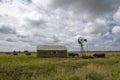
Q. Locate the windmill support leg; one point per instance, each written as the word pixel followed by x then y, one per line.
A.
pixel 82 51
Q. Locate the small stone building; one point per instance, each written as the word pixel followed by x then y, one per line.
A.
pixel 51 51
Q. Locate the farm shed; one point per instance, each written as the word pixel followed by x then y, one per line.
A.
pixel 51 51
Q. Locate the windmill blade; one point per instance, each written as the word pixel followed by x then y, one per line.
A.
pixel 80 40
pixel 85 40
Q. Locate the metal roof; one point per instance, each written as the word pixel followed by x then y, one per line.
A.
pixel 51 47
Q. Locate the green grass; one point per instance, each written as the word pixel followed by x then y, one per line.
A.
pixel 24 67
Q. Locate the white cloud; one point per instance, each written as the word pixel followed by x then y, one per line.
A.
pixel 96 27
pixel 116 33
pixel 39 22
pixel 116 30
pixel 116 16
pixel 42 3
pixel 116 36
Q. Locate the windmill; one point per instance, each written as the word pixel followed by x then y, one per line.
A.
pixel 81 42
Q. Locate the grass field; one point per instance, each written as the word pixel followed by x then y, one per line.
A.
pixel 24 67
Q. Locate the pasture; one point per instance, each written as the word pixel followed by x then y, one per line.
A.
pixel 29 67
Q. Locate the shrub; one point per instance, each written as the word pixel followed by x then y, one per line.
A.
pixel 75 78
pixel 94 76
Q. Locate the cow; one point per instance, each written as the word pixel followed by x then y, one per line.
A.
pixel 7 53
pixel 87 57
pixel 28 54
pixel 73 55
pixel 15 53
pixel 102 55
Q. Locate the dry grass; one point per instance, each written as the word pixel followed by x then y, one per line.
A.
pixel 24 67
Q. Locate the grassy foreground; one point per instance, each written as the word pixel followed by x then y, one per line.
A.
pixel 24 67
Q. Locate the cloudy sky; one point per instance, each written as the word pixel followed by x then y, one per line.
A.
pixel 25 24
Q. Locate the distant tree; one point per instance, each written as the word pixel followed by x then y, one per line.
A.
pixel 14 51
pixel 26 51
pixel 19 51
pixel 7 53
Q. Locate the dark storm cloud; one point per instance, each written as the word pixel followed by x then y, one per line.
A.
pixel 11 40
pixel 11 1
pixel 116 43
pixel 7 30
pixel 6 1
pixel 28 1
pixel 56 39
pixel 26 41
pixel 21 36
pixel 93 7
pixel 36 23
pixel 39 35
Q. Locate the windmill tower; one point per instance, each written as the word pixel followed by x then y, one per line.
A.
pixel 81 43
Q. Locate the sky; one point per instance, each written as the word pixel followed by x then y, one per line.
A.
pixel 25 24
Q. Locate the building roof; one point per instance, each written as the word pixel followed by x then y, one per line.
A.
pixel 51 47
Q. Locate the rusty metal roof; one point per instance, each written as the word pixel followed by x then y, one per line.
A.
pixel 51 47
